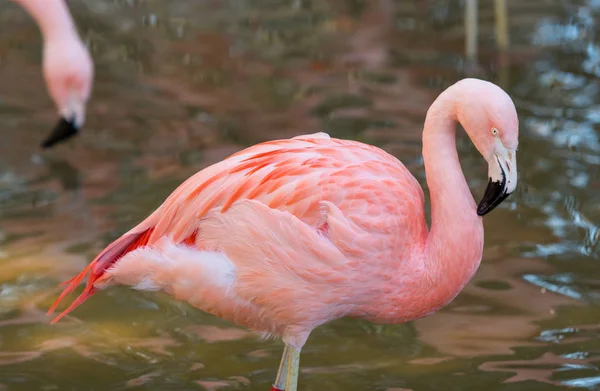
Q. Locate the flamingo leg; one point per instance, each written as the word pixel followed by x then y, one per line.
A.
pixel 501 17
pixel 471 29
pixel 291 383
pixel 282 373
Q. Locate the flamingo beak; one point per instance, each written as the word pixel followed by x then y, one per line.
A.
pixel 72 117
pixel 64 129
pixel 503 180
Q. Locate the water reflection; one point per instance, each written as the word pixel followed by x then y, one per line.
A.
pixel 183 84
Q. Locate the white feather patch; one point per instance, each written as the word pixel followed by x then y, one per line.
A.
pixel 209 267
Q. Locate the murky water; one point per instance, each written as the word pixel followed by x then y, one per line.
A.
pixel 182 84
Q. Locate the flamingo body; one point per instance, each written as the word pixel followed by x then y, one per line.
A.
pixel 281 230
pixel 287 235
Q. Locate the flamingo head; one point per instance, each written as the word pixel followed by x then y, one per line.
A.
pixel 490 119
pixel 68 72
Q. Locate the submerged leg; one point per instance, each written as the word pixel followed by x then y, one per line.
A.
pixel 291 383
pixel 282 373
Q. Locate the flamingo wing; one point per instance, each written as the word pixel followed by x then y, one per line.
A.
pixel 295 175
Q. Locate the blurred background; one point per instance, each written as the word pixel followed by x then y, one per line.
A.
pixel 181 84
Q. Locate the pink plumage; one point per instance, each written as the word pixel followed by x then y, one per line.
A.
pixel 68 67
pixel 290 234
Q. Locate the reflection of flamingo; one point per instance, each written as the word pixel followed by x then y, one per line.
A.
pixel 287 235
pixel 68 68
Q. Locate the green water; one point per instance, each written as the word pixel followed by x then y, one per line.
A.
pixel 182 84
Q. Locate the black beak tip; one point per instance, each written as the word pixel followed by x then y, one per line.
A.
pixel 63 130
pixel 493 196
pixel 482 209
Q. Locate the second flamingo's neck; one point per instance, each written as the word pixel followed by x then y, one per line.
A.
pixel 455 242
pixel 53 19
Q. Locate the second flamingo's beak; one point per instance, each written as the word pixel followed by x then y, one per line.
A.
pixel 72 117
pixel 64 129
pixel 502 180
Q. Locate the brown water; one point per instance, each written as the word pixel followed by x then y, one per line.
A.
pixel 182 84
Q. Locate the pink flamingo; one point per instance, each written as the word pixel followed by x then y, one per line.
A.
pixel 68 68
pixel 287 235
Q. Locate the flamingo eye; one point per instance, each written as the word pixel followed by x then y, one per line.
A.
pixel 494 131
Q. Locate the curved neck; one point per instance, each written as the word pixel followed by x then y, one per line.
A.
pixel 52 17
pixel 455 241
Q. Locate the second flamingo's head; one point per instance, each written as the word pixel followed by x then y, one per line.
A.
pixel 68 72
pixel 490 119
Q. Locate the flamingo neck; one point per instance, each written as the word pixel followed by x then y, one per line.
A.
pixel 53 18
pixel 455 242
